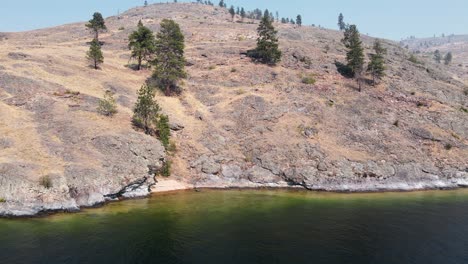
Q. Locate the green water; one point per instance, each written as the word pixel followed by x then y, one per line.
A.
pixel 250 227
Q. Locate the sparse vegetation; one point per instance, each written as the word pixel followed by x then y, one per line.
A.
pixel 166 169
pixel 233 70
pixel 169 63
pixel 309 79
pixel 2 200
pixel 414 59
pixel 448 146
pixel 107 105
pixel 46 182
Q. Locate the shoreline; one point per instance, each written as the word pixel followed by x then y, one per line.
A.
pixel 165 187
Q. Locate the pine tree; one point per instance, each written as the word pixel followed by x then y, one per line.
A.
pixel 146 110
pixel 164 130
pixel 299 20
pixel 341 23
pixel 221 3
pixel 97 24
pixel 437 56
pixel 142 44
pixel 377 63
pixel 107 106
pixel 355 54
pixel 170 62
pixel 448 58
pixel 242 14
pixel 232 11
pixel 267 50
pixel 146 3
pixel 95 53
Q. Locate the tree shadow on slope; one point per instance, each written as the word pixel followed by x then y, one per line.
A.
pixel 344 70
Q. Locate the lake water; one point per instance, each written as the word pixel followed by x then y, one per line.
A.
pixel 250 227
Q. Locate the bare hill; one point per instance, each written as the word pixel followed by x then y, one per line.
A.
pixel 244 124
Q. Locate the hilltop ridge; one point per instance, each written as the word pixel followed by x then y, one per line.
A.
pixel 236 124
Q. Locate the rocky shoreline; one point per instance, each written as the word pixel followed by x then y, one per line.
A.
pixel 144 189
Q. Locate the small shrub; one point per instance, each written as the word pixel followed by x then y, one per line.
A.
pixel 72 92
pixel 233 70
pixel 46 182
pixel 330 103
pixel 107 106
pixel 121 28
pixel 448 146
pixel 309 80
pixel 396 123
pixel 419 104
pixel 172 148
pixel 2 200
pixel 166 169
pixel 212 67
pixel 240 91
pixel 327 48
pixel 463 109
pixel 414 59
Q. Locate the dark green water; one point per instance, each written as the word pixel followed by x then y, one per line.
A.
pixel 250 227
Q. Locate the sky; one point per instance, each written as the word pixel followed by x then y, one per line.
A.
pixel 391 19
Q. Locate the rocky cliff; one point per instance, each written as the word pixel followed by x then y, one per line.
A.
pixel 237 123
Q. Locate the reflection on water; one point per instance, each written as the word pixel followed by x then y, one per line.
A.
pixel 272 226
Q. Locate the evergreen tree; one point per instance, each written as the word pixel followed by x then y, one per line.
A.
pixel 146 3
pixel 107 106
pixel 355 54
pixel 437 56
pixel 267 50
pixel 448 58
pixel 377 63
pixel 232 11
pixel 242 14
pixel 221 3
pixel 142 43
pixel 341 23
pixel 170 62
pixel 95 53
pixel 146 110
pixel 97 24
pixel 299 20
pixel 164 130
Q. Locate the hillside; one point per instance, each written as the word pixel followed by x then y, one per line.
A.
pixel 456 44
pixel 244 124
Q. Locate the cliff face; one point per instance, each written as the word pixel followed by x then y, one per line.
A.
pixel 244 124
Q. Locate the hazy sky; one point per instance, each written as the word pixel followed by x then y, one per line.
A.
pixel 393 19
